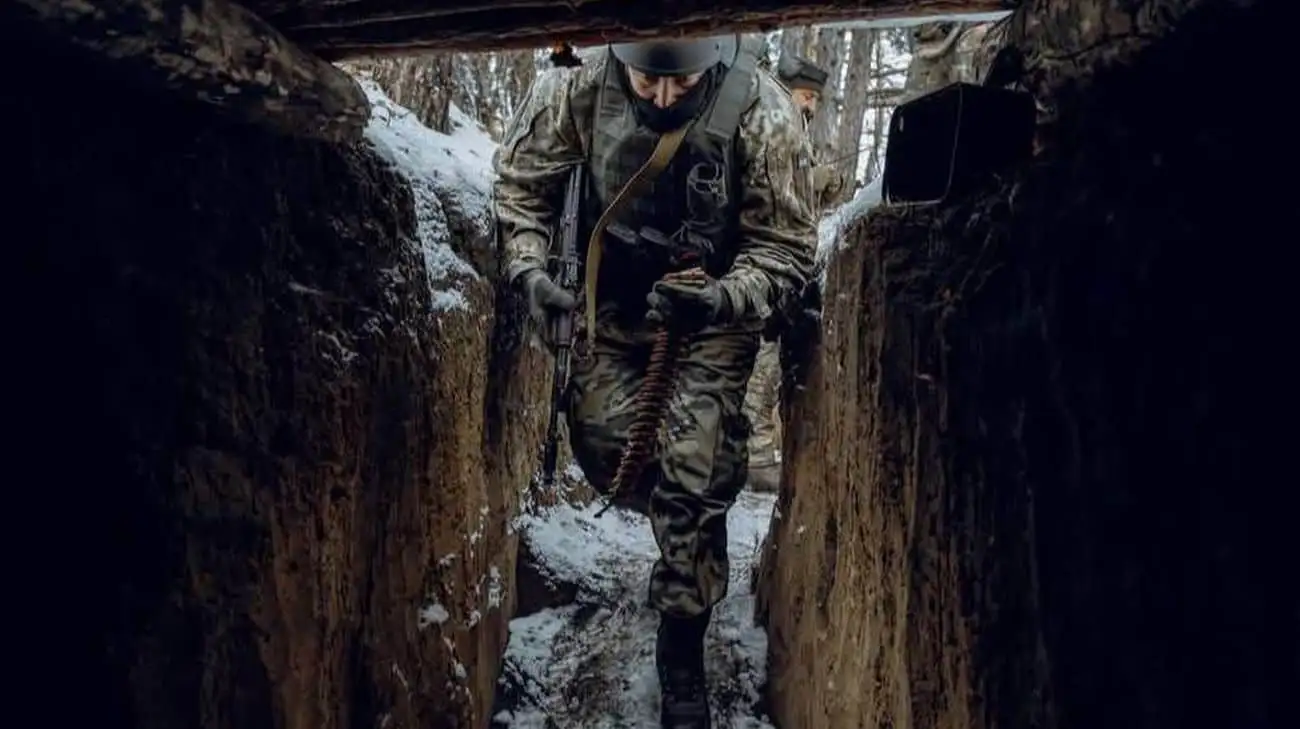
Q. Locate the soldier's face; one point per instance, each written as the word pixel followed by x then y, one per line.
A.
pixel 806 100
pixel 662 91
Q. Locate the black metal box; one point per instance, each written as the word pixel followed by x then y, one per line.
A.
pixel 945 142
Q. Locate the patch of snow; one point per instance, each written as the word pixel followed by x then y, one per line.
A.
pixel 473 537
pixel 432 614
pixel 576 547
pixel 495 589
pixel 591 664
pixel 446 172
pixel 831 229
pixel 574 472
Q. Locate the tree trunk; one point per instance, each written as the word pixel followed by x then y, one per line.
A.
pixel 422 84
pixel 522 67
pixel 468 75
pixel 829 54
pixel 795 40
pixel 862 47
pixel 875 155
pixel 485 86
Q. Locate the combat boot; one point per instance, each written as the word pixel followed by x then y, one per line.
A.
pixel 683 686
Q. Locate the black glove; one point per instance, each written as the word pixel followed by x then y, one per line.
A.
pixel 546 301
pixel 691 305
pixel 794 314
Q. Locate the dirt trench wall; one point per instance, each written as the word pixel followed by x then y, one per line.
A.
pixel 276 483
pixel 1035 474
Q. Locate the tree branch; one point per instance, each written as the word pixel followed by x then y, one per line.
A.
pixel 885 97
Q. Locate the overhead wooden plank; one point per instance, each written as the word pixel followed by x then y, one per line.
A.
pixel 216 52
pixel 340 29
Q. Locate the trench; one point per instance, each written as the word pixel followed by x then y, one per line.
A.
pixel 1036 456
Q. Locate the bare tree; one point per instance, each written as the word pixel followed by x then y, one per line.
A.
pixel 771 51
pixel 944 53
pixel 472 74
pixel 485 86
pixel 853 110
pixel 828 52
pixel 422 84
pixel 875 153
pixel 795 40
pixel 520 69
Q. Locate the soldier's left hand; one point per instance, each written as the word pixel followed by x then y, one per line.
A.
pixel 690 305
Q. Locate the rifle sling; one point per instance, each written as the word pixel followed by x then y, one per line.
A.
pixel 663 152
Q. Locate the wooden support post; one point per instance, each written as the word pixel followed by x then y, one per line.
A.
pixel 339 29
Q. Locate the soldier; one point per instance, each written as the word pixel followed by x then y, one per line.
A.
pixel 806 82
pixel 735 200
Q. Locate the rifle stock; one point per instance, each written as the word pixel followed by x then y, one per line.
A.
pixel 565 264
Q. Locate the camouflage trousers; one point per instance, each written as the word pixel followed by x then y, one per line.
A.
pixel 761 406
pixel 700 459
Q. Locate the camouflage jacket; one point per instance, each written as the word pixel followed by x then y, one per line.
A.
pixel 828 184
pixel 776 227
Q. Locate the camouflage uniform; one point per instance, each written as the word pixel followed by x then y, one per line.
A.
pixel 828 183
pixel 761 230
pixel 761 402
pixel 763 397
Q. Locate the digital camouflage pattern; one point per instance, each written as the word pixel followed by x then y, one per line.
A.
pixel 702 454
pixel 776 231
pixel 828 184
pixel 702 449
pixel 795 72
pixel 761 400
pixel 763 396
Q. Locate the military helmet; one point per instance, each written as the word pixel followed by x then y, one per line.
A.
pixel 673 56
pixel 799 73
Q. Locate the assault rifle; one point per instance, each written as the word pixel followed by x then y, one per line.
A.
pixel 565 273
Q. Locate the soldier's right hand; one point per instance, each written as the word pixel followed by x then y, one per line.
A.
pixel 546 299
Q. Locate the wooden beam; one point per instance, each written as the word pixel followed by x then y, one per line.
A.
pixel 339 29
pixel 216 52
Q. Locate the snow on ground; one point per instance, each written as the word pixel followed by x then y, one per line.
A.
pixel 831 229
pixel 590 665
pixel 451 179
